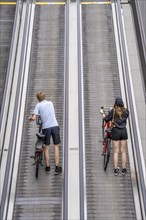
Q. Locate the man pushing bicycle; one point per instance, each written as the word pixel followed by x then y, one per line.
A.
pixel 50 127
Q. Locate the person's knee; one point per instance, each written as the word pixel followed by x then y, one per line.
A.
pixel 56 147
pixel 116 148
pixel 123 149
pixel 123 146
pixel 46 147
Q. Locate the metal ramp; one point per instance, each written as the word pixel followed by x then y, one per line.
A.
pixel 108 197
pixel 42 198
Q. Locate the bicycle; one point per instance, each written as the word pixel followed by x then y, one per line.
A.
pixel 39 147
pixel 106 134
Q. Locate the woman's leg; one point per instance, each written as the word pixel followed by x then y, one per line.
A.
pixel 116 153
pixel 123 152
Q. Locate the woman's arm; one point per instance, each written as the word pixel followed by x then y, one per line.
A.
pixel 109 116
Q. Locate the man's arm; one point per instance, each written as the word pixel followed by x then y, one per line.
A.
pixel 32 117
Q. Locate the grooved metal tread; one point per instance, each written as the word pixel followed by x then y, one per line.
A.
pixel 42 198
pixel 109 197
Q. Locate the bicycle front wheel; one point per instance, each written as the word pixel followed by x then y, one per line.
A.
pixel 107 155
pixel 103 129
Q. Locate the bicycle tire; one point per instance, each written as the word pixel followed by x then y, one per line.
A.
pixel 107 155
pixel 103 129
pixel 37 167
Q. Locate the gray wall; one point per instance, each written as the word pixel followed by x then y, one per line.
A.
pixel 141 12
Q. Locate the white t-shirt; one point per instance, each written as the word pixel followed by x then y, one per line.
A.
pixel 46 110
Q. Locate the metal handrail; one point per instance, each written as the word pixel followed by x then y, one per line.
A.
pixel 66 107
pixel 83 208
pixel 15 121
pixel 10 72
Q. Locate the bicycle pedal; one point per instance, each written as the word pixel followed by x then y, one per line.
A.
pixel 103 154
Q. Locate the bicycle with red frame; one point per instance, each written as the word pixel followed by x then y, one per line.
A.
pixel 39 147
pixel 106 134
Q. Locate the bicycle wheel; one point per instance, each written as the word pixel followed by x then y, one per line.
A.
pixel 103 129
pixel 37 166
pixel 106 154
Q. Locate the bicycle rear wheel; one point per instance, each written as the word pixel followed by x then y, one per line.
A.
pixel 106 155
pixel 37 167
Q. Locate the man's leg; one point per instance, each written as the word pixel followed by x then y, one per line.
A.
pixel 56 140
pixel 46 155
pixel 56 154
pixel 58 169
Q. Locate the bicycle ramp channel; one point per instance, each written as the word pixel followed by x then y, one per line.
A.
pixel 41 198
pixel 108 197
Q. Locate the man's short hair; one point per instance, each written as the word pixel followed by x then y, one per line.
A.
pixel 40 96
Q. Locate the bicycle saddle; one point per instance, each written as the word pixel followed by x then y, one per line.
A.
pixel 40 136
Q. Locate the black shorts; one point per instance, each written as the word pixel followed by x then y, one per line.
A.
pixel 54 132
pixel 119 134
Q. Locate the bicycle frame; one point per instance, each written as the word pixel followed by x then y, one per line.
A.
pixel 106 132
pixel 39 147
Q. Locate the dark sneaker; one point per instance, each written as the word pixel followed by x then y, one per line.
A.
pixel 116 171
pixel 124 171
pixel 47 169
pixel 57 170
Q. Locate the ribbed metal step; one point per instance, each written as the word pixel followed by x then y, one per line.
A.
pixel 42 198
pixel 7 13
pixel 108 197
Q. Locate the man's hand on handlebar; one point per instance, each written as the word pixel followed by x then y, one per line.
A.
pixel 32 118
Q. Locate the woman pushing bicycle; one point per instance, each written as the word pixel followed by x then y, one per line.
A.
pixel 118 116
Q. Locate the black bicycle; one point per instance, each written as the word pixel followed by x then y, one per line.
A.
pixel 106 134
pixel 39 147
